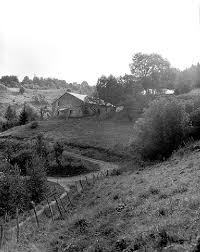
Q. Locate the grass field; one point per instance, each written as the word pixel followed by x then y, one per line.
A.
pixel 156 209
pixel 85 131
pixel 12 97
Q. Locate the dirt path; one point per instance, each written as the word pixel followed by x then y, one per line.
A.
pixel 66 182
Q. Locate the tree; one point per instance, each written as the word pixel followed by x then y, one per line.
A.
pixel 161 129
pixel 109 89
pixel 10 81
pixel 21 90
pixel 132 97
pixel 10 114
pixel 23 117
pixel 149 69
pixel 26 81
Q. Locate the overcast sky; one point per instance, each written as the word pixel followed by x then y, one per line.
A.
pixel 80 40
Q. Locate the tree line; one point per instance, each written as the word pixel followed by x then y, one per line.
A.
pixel 151 74
pixel 12 81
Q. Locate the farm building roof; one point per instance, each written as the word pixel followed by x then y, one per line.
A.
pixel 79 96
pixel 86 99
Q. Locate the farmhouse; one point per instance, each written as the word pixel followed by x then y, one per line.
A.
pixel 78 105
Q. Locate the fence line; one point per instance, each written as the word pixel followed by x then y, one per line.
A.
pixel 37 213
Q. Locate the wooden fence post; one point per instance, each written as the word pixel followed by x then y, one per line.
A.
pixel 63 205
pixel 1 236
pixel 60 212
pixel 50 208
pixel 76 185
pixel 87 180
pixel 36 217
pixel 6 217
pixel 69 199
pixel 17 218
pixel 81 184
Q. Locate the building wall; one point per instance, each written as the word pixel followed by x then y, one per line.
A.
pixel 75 107
pixel 68 101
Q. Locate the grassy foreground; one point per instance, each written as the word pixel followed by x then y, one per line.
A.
pixel 156 209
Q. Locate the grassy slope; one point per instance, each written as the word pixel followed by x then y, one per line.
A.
pixel 12 97
pixel 157 207
pixel 86 131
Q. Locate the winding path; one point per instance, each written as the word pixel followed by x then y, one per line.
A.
pixel 66 182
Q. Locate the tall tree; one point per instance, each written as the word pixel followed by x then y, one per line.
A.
pixel 23 117
pixel 10 114
pixel 149 69
pixel 132 98
pixel 109 89
pixel 10 81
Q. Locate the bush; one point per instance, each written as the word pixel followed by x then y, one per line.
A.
pixel 13 192
pixel 34 125
pixel 160 130
pixel 195 117
pixel 27 114
pixel 23 117
pixel 21 90
pixel 32 113
pixel 58 150
pixel 21 158
pixel 37 182
pixel 10 114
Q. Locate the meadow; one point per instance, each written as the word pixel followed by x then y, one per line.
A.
pixel 151 209
pixel 84 131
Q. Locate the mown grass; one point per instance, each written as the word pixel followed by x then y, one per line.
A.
pixel 156 209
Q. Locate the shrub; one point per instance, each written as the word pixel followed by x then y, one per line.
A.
pixel 21 90
pixel 32 113
pixel 39 100
pixel 13 191
pixel 23 117
pixel 27 114
pixel 21 158
pixel 195 117
pixel 58 150
pixel 37 182
pixel 42 149
pixel 10 114
pixel 160 130
pixel 34 125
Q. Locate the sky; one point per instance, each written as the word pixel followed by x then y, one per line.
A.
pixel 79 40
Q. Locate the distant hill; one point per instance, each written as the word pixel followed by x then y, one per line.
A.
pixel 46 83
pixel 34 97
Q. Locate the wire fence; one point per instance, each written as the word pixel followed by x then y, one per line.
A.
pixel 60 208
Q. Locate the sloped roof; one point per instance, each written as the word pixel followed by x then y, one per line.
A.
pixel 79 96
pixel 85 98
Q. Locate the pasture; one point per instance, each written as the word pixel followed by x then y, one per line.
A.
pixel 85 131
pixel 151 209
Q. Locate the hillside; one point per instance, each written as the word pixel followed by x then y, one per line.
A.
pixel 103 140
pixel 34 97
pixel 154 209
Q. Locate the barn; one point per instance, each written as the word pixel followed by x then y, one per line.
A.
pixel 78 105
pixel 69 104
